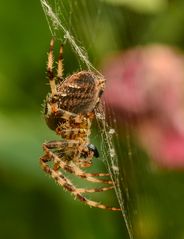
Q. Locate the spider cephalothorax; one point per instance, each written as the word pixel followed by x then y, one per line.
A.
pixel 69 111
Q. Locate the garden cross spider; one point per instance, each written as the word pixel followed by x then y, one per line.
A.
pixel 69 111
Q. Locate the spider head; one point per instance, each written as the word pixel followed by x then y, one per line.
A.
pixel 93 148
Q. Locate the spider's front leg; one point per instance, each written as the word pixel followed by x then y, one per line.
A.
pixel 50 72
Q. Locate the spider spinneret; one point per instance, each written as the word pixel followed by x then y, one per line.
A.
pixel 69 111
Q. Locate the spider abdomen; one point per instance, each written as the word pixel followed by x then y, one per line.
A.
pixel 79 93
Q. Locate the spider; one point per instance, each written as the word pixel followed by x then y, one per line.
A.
pixel 69 111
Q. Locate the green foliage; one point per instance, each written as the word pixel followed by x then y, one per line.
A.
pixel 142 5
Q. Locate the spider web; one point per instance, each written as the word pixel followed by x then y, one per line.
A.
pixel 63 17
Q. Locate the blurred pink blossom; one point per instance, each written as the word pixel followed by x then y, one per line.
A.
pixel 147 83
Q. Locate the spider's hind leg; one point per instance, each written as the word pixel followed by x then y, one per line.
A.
pixel 70 166
pixel 76 192
pixel 56 167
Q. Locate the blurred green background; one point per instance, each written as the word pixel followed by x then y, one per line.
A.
pixel 31 204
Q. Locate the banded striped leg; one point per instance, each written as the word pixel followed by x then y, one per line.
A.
pixel 56 168
pixel 71 167
pixel 60 64
pixel 67 115
pixel 76 192
pixel 50 73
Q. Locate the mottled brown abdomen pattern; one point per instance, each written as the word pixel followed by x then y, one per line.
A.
pixel 79 93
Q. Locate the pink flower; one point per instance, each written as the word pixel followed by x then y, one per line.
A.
pixel 147 83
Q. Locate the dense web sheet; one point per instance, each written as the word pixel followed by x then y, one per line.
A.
pixel 61 16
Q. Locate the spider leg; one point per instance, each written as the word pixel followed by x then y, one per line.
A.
pixel 45 159
pixel 72 143
pixel 60 144
pixel 54 144
pixel 74 131
pixel 60 64
pixel 64 114
pixel 81 172
pixel 74 169
pixel 95 190
pixel 50 73
pixel 66 184
pixel 85 190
